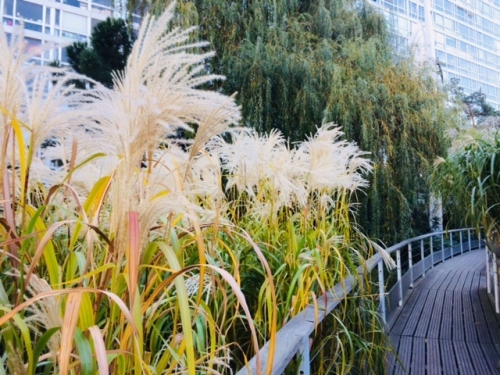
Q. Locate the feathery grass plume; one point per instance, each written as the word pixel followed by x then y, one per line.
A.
pixel 262 167
pixel 156 94
pixel 273 176
pixel 45 313
pixel 333 163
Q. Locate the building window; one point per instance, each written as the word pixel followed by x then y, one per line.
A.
pixel 8 7
pixel 451 42
pixel 29 11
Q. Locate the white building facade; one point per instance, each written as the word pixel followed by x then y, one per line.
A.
pixel 61 21
pixel 461 36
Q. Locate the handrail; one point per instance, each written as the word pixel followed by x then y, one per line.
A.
pixel 294 335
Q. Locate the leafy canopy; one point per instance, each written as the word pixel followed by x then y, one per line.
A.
pixel 296 64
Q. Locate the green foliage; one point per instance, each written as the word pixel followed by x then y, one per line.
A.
pixel 132 258
pixel 295 64
pixel 111 43
pixel 469 182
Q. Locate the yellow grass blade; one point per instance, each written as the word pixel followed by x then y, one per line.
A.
pixel 49 254
pixel 100 350
pixel 23 163
pixel 121 305
pixel 183 305
pixel 71 315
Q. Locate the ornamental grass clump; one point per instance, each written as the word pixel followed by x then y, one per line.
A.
pixel 142 255
pixel 469 182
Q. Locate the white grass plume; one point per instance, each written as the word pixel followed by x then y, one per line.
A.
pixel 155 94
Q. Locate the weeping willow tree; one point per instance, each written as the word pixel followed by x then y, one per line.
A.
pixel 296 64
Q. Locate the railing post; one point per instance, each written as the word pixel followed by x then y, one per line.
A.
pixel 461 244
pixel 488 265
pixel 470 242
pixel 432 253
pixel 422 257
pixel 495 283
pixel 381 289
pixel 410 263
pixel 398 263
pixel 442 246
pixel 305 361
pixel 451 241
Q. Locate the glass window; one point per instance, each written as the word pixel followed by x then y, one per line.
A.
pixel 58 17
pixel 107 3
pixel 33 27
pixel 448 6
pixel 463 46
pixel 8 21
pixel 64 56
pixel 451 42
pixel 448 23
pixel 441 56
pixel 451 61
pixel 47 16
pixel 472 50
pixel 438 19
pixel 8 7
pixel 421 13
pixel 29 11
pixel 33 46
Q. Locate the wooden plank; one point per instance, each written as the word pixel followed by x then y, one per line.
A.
pixel 443 275
pixel 461 282
pixel 492 357
pixel 468 282
pixel 413 319
pixel 448 357
pixel 478 359
pixel 464 363
pixel 433 357
pixel 426 315
pixel 468 316
pixel 458 321
pixel 400 323
pixel 417 366
pixel 479 319
pixel 446 282
pixel 427 280
pixel 391 356
pixel 437 312
pixel 445 329
pixel 404 353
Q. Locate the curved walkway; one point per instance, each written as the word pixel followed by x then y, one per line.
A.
pixel 448 325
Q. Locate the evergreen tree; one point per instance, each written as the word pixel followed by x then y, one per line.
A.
pixel 298 63
pixel 111 43
pixel 477 108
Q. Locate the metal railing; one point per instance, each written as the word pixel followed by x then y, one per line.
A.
pixel 413 258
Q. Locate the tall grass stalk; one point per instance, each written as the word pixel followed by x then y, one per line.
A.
pixel 145 256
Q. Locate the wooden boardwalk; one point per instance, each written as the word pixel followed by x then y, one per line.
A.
pixel 448 325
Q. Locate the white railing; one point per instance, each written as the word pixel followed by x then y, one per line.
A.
pixel 492 272
pixel 413 258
